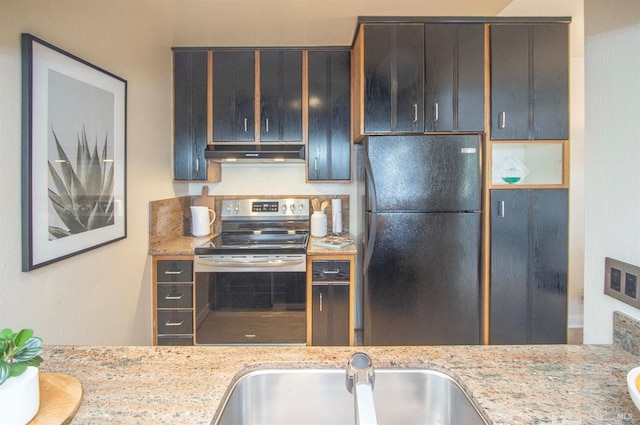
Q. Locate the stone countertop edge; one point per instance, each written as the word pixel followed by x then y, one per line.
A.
pixel 535 384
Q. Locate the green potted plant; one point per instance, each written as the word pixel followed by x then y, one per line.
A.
pixel 19 380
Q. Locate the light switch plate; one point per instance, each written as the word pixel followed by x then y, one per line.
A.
pixel 621 281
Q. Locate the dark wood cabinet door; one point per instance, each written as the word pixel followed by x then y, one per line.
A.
pixel 548 263
pixel 330 315
pixel 233 96
pixel 529 82
pixel 551 81
pixel 190 115
pixel 509 82
pixel 509 258
pixel 329 143
pixel 281 95
pixel 394 78
pixel 529 260
pixel 454 77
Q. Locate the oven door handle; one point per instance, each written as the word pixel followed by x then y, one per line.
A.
pixel 250 263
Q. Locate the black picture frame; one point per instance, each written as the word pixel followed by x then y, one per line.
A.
pixel 73 155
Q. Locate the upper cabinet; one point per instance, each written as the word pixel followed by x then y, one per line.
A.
pixel 270 78
pixel 190 115
pixel 280 96
pixel 233 96
pixel 329 103
pixel 415 78
pixel 454 78
pixel 529 81
pixel 393 86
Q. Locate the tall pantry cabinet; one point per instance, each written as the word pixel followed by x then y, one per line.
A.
pixel 528 183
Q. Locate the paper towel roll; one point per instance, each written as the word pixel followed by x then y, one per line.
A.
pixel 336 215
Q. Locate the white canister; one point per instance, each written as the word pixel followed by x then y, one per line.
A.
pixel 201 220
pixel 318 224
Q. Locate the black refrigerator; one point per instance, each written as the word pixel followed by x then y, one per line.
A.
pixel 422 239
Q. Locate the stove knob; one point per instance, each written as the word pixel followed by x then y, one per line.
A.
pixel 301 207
pixel 237 207
pixel 228 207
pixel 292 208
pixel 284 208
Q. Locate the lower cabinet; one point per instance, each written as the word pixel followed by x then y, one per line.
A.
pixel 173 300
pixel 330 312
pixel 529 262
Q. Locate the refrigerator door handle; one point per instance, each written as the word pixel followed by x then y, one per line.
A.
pixel 371 237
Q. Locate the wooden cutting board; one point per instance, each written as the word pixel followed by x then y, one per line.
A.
pixel 60 397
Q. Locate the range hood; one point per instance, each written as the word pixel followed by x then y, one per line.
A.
pixel 255 152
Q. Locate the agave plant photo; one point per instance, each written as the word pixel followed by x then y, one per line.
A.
pixel 83 197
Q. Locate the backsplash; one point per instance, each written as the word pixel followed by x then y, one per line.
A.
pixel 171 218
pixel 626 333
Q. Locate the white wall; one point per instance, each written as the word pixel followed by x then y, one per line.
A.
pixel 102 296
pixel 612 181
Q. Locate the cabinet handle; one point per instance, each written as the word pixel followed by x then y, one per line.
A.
pixel 266 125
pixel 315 164
pixel 415 112
pixel 502 122
pixel 173 272
pixel 197 164
pixel 246 125
pixel 320 301
pixel 501 209
pixel 174 296
pixel 436 111
pixel 336 271
pixel 170 323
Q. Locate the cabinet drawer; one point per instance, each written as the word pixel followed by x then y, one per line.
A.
pixel 174 271
pixel 175 296
pixel 330 270
pixel 175 322
pixel 175 340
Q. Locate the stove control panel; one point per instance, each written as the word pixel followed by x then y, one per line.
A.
pixel 290 208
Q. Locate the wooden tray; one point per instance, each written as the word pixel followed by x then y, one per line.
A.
pixel 60 397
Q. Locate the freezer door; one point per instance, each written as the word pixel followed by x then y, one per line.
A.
pixel 425 173
pixel 423 282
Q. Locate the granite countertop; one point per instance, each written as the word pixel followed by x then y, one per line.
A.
pixel 184 245
pixel 561 384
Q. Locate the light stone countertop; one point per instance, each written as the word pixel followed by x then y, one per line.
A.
pixel 537 384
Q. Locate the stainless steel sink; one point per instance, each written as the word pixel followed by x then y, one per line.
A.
pixel 319 396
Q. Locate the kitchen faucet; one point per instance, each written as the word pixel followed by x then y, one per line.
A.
pixel 360 379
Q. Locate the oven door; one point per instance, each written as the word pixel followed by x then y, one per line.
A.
pixel 252 299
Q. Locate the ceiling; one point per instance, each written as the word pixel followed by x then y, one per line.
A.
pixel 219 23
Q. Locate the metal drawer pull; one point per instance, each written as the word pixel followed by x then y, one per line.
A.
pixel 174 296
pixel 501 209
pixel 320 301
pixel 250 336
pixel 502 123
pixel 415 112
pixel 331 271
pixel 173 272
pixel 170 323
pixel 266 125
pixel 246 126
pixel 436 114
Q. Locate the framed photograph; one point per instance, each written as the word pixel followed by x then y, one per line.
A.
pixel 73 155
